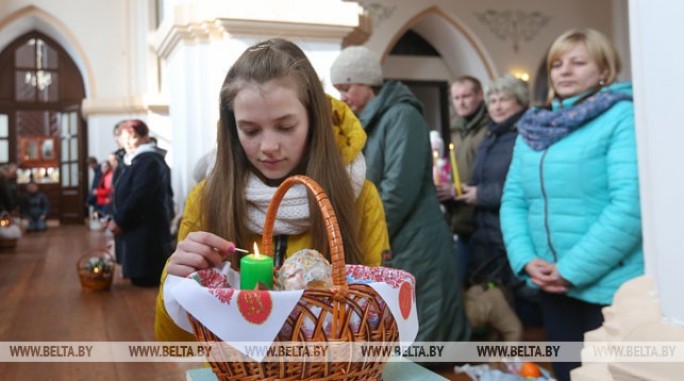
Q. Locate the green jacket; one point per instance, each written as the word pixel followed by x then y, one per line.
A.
pixel 466 135
pixel 399 163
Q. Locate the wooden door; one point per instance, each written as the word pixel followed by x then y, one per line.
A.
pixel 41 90
pixel 71 170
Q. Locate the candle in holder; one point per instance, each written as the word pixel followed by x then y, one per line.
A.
pixel 454 169
pixel 255 268
pixel 435 166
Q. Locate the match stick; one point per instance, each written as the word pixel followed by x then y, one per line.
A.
pixel 235 250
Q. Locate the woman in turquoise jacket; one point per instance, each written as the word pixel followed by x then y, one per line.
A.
pixel 570 211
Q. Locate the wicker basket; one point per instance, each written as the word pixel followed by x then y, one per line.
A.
pixel 96 270
pixel 338 304
pixel 5 223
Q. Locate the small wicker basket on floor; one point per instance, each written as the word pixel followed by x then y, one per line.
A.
pixel 6 223
pixel 96 270
pixel 337 304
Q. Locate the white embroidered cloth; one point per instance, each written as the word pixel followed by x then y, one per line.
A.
pixel 238 316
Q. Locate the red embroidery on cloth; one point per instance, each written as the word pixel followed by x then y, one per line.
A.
pixel 255 306
pixel 212 279
pixel 223 294
pixel 393 277
pixel 217 284
pixel 405 299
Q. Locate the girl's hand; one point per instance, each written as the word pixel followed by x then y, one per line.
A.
pixel 199 250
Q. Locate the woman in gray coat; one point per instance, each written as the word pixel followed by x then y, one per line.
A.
pixel 399 163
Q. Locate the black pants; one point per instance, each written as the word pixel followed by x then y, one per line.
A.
pixel 567 319
pixel 146 281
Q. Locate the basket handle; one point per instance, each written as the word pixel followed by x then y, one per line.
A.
pixel 334 235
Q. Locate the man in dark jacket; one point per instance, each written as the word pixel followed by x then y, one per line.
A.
pixel 399 163
pixel 467 131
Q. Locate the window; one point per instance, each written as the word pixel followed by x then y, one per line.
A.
pixel 36 72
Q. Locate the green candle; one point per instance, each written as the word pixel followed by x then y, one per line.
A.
pixel 256 268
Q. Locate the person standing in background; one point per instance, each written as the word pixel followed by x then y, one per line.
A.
pixel 140 214
pixel 103 190
pixel 492 288
pixel 6 201
pixel 399 163
pixel 97 173
pixel 118 170
pixel 570 212
pixel 467 131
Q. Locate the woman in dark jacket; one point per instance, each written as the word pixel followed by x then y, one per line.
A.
pixel 141 213
pixel 489 275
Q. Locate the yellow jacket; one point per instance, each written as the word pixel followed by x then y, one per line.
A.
pixel 350 139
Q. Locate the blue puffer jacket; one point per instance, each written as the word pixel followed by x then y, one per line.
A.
pixel 577 204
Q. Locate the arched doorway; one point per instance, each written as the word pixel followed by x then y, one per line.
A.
pixel 41 130
pixel 427 52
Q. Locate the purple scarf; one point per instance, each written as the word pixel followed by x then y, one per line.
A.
pixel 540 128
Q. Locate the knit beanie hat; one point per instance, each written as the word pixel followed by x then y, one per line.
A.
pixel 356 64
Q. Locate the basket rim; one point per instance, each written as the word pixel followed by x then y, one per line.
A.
pixel 332 227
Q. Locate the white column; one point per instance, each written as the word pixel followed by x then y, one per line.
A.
pixel 656 30
pixel 196 72
pixel 199 41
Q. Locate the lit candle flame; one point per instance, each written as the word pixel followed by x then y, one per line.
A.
pixel 256 250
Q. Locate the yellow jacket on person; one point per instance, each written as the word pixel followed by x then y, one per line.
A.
pixel 350 139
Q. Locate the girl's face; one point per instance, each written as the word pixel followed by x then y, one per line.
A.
pixel 502 106
pixel 272 126
pixel 575 72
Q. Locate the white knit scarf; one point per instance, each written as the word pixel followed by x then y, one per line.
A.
pixel 293 213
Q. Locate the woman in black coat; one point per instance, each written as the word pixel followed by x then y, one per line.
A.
pixel 489 274
pixel 142 207
pixel 507 99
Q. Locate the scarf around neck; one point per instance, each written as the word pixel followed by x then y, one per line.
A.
pixel 540 128
pixel 509 124
pixel 293 213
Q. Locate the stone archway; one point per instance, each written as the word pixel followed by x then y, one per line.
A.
pixel 459 48
pixel 429 76
pixel 32 18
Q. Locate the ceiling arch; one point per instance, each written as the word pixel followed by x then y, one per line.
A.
pixel 31 18
pixel 460 50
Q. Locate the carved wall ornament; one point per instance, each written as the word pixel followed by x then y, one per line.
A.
pixel 515 24
pixel 378 12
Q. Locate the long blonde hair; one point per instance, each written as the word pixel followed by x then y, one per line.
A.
pixel 223 201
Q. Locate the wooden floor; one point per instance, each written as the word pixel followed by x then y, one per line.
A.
pixel 41 300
